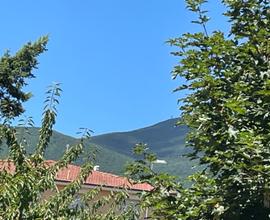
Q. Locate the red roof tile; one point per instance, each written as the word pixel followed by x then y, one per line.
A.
pixel 96 178
pixel 7 165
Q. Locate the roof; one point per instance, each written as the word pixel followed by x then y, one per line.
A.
pixel 96 178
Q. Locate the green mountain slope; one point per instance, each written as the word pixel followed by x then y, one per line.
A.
pixel 107 159
pixel 114 150
pixel 164 138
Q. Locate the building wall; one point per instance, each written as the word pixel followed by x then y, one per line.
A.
pixel 133 197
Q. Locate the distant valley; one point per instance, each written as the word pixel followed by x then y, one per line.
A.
pixel 114 150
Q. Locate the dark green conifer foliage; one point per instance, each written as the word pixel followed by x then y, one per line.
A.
pixel 15 70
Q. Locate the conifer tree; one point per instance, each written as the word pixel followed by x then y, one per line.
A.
pixel 15 70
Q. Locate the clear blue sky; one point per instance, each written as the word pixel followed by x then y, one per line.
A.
pixel 110 57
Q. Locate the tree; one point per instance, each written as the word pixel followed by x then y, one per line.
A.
pixel 227 77
pixel 21 190
pixel 14 71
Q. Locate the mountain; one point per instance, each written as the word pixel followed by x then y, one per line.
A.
pixel 114 150
pixel 108 160
pixel 165 139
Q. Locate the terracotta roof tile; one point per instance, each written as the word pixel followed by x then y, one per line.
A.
pixel 96 178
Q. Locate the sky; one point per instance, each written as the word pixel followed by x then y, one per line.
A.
pixel 109 56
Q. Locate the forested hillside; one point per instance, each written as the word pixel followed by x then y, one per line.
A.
pixel 114 150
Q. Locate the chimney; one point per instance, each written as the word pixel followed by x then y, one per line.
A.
pixel 96 168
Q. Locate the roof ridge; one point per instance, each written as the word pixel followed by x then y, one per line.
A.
pixel 95 177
